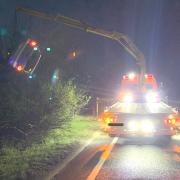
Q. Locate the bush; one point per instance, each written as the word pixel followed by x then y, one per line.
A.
pixel 66 101
pixel 29 107
pixel 29 163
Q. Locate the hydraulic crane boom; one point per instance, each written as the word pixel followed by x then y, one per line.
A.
pixel 123 39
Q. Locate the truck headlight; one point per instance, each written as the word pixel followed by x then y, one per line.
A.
pixel 147 126
pixel 133 126
pixel 141 126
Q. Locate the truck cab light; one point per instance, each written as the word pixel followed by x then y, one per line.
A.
pixel 131 76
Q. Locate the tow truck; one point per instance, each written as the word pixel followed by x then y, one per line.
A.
pixel 139 109
pixel 140 112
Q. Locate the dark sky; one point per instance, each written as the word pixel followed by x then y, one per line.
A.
pixel 154 26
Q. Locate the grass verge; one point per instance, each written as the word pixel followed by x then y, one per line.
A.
pixel 27 163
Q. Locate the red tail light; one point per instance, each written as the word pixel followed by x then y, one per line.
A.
pixel 148 76
pixel 125 77
pixel 33 43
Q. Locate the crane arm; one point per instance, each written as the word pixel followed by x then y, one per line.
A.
pixel 121 38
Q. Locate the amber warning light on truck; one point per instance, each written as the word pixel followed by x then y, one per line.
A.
pixel 131 91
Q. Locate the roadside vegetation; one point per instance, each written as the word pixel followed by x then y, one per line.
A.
pixel 39 124
pixel 33 161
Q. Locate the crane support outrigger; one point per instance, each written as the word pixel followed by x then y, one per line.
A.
pixel 121 38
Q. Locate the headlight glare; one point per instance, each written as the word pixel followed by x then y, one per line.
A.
pixel 151 97
pixel 141 126
pixel 133 126
pixel 128 98
pixel 147 126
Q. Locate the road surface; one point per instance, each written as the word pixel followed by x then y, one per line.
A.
pixel 118 158
pixel 127 158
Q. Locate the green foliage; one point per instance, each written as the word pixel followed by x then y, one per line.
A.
pixel 12 163
pixel 17 162
pixel 28 107
pixel 37 121
pixel 67 101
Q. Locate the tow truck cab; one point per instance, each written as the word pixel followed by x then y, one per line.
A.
pixel 131 91
pixel 139 111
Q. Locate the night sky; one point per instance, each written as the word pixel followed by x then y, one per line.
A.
pixel 154 26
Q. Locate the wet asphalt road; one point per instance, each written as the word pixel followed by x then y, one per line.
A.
pixel 118 158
